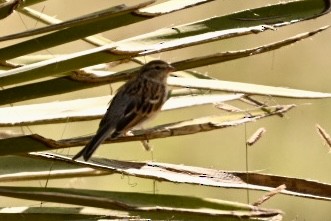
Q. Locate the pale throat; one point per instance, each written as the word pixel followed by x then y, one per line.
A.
pixel 155 80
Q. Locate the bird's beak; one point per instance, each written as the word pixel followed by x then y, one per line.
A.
pixel 171 68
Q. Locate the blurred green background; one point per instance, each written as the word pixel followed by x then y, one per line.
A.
pixel 291 146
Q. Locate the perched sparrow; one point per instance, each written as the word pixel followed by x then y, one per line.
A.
pixel 136 101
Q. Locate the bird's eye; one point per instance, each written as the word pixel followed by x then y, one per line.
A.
pixel 158 67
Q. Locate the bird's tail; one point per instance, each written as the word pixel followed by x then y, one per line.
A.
pixel 89 149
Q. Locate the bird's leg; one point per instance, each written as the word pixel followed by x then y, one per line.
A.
pixel 145 142
pixel 129 133
pixel 147 146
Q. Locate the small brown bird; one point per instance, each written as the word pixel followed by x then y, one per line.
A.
pixel 136 101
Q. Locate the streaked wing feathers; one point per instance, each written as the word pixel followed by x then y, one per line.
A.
pixel 134 104
pixel 137 100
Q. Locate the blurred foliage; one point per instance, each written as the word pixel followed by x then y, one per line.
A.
pixel 70 61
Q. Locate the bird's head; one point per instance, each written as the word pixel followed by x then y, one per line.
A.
pixel 156 69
